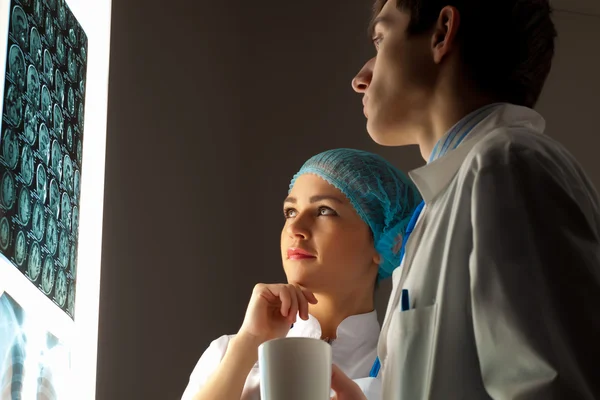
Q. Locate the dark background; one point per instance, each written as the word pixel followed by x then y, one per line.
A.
pixel 213 106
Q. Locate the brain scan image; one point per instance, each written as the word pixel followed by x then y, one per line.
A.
pixel 46 103
pixel 48 67
pixel 41 183
pixel 50 29
pixel 60 48
pixel 65 210
pixel 80 116
pixel 31 122
pixel 64 249
pixel 38 11
pixel 44 143
pixel 62 15
pixel 33 85
pixel 38 223
pixel 41 144
pixel 54 202
pixel 35 47
pixel 73 37
pixel 71 101
pixel 51 235
pixel 10 149
pixel 75 222
pixel 20 27
pixel 79 151
pixel 76 184
pixel 73 260
pixel 16 66
pixel 27 166
pixel 24 211
pixel 68 173
pixel 60 87
pixel 72 65
pixel 60 289
pixel 13 105
pixel 34 266
pixel 48 274
pixel 56 158
pixel 58 121
pixel 4 233
pixel 20 248
pixel 71 298
pixel 8 193
pixel 69 137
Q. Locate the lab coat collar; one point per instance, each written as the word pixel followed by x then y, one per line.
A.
pixel 432 178
pixel 354 330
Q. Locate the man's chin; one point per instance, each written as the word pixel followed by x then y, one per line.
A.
pixel 385 136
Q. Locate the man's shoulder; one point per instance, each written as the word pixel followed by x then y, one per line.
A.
pixel 512 146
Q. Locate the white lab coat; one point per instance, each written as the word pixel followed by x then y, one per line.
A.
pixel 503 273
pixel 354 351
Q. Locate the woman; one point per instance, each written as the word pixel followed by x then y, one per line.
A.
pixel 344 216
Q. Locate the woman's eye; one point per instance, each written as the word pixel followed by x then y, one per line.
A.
pixel 326 211
pixel 289 213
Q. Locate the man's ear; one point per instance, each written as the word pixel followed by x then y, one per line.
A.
pixel 443 39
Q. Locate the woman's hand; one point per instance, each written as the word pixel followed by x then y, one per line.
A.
pixel 273 308
pixel 344 387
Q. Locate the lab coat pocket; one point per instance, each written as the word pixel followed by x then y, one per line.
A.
pixel 412 352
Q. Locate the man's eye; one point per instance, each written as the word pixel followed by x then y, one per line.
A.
pixel 377 41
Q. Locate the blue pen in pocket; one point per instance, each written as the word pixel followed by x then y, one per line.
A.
pixel 404 301
pixel 404 306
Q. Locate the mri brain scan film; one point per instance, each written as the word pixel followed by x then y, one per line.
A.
pixel 41 136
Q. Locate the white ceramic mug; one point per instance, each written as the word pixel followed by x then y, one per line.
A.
pixel 295 369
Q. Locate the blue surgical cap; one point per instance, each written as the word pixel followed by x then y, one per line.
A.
pixel 381 195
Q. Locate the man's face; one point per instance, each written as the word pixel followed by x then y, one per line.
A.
pixel 397 83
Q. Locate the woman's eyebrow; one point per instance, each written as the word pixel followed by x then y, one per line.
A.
pixel 315 199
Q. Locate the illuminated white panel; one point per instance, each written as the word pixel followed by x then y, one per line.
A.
pixel 45 316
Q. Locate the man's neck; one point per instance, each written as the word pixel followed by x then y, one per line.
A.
pixel 454 98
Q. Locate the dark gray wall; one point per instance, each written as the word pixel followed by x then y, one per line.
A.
pixel 213 106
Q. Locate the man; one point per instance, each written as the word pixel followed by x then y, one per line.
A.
pixel 499 290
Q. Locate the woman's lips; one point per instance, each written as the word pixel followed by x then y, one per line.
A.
pixel 298 254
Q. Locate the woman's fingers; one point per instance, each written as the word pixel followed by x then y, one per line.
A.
pixel 294 304
pixel 344 387
pixel 292 299
pixel 309 295
pixel 302 303
pixel 285 298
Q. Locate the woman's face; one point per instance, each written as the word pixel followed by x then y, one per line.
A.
pixel 325 245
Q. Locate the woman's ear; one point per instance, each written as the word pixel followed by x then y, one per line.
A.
pixel 377 258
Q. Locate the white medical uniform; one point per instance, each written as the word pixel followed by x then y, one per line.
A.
pixel 503 273
pixel 354 351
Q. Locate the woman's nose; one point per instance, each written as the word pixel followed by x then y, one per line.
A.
pixel 298 228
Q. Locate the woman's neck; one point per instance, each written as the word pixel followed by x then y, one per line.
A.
pixel 331 310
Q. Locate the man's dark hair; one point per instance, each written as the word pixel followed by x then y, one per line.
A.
pixel 507 45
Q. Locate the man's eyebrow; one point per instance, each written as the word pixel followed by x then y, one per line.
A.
pixel 376 21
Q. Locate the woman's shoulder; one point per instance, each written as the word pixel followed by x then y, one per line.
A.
pixel 207 364
pixel 215 351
